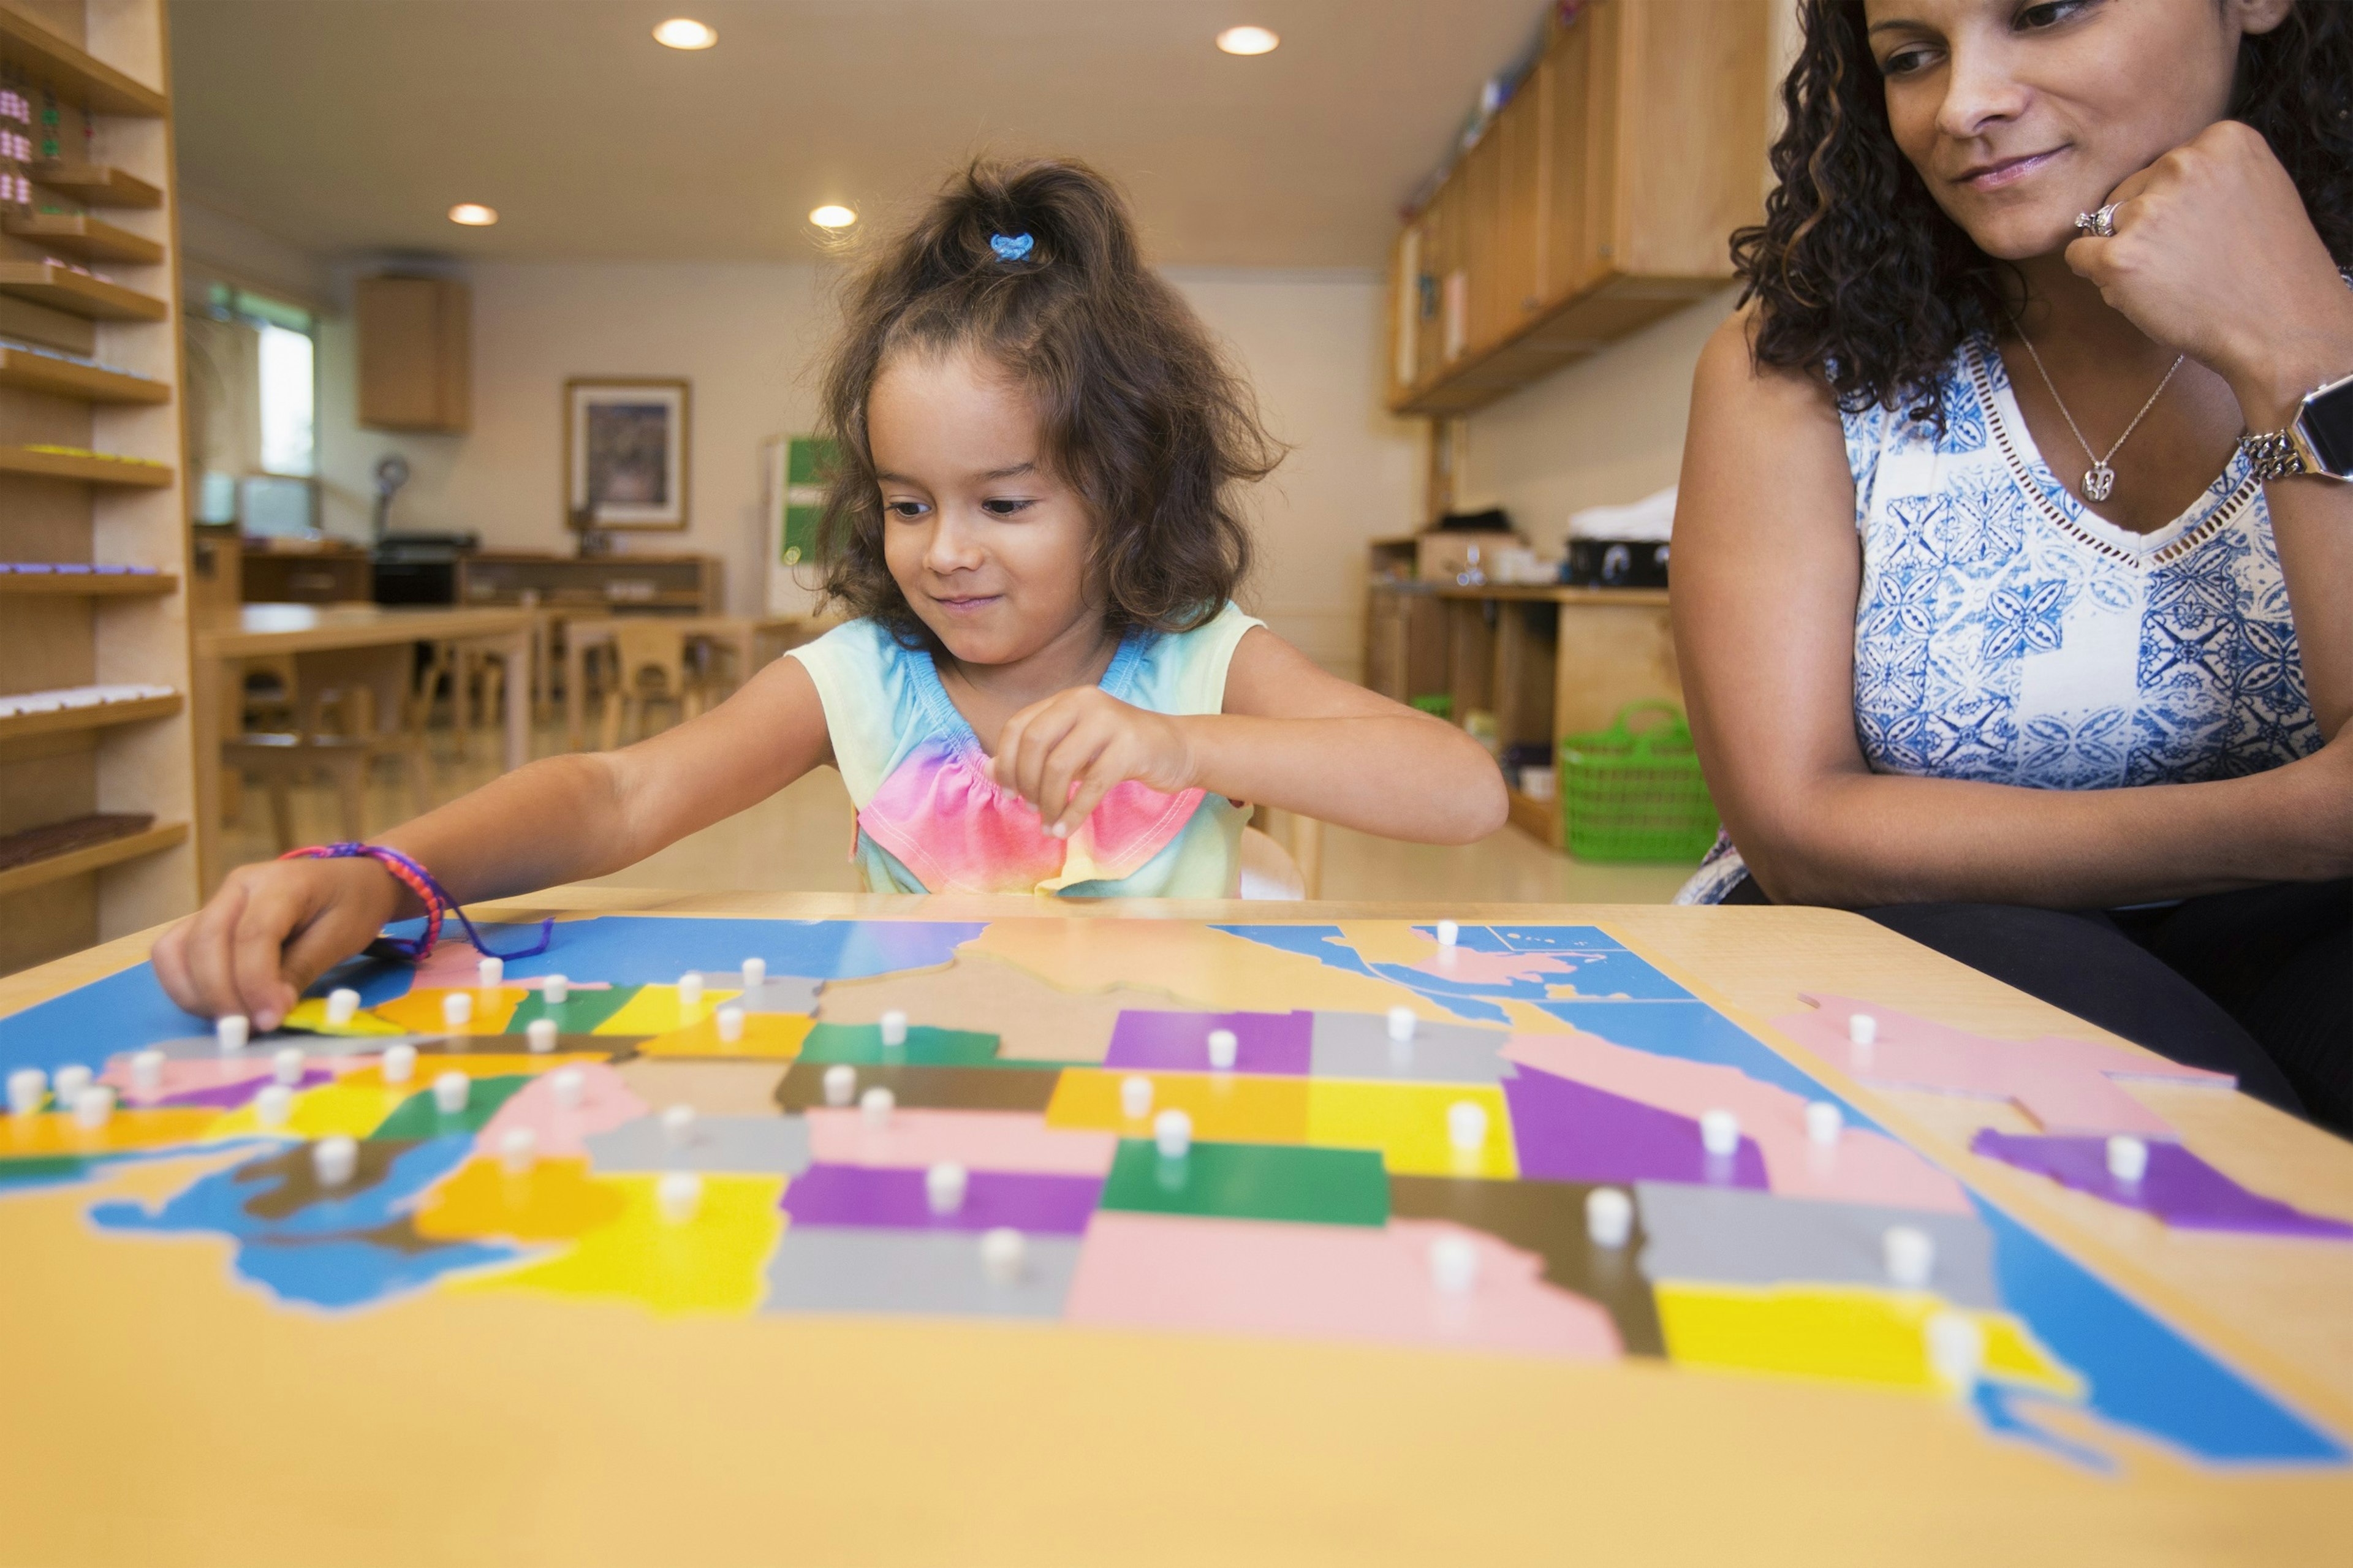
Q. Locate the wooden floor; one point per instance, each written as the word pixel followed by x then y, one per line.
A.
pixel 798 841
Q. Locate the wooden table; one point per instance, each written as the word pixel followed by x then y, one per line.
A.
pixel 269 630
pixel 157 1416
pixel 742 633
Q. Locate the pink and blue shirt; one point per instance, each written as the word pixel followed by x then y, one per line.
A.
pixel 931 820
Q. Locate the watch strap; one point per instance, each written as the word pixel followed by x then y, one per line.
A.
pixel 2276 454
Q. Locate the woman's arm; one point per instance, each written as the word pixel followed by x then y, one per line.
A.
pixel 1768 573
pixel 1290 736
pixel 274 927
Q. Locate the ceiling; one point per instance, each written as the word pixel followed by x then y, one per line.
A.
pixel 352 126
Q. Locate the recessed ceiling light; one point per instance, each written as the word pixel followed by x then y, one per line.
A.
pixel 831 216
pixel 1247 40
pixel 473 215
pixel 686 32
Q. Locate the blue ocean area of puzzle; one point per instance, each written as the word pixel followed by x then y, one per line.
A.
pixel 2139 1373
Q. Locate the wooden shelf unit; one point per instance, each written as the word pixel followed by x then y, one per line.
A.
pixel 92 858
pixel 79 293
pixel 103 66
pixel 1600 198
pixel 93 470
pixel 91 238
pixel 96 184
pixel 88 584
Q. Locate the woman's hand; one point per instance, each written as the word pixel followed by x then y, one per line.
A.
pixel 2214 256
pixel 271 930
pixel 1064 755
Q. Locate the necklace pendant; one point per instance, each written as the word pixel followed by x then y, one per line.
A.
pixel 2099 482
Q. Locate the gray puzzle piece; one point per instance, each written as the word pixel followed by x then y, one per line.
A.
pixel 261 1047
pixel 1358 1045
pixel 777 994
pixel 1735 1235
pixel 838 1269
pixel 739 1144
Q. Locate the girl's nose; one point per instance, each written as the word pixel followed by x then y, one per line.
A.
pixel 952 547
pixel 1981 89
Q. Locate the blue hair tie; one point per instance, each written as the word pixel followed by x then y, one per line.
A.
pixel 1010 248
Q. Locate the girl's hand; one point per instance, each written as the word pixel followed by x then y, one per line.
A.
pixel 2214 256
pixel 1064 755
pixel 271 930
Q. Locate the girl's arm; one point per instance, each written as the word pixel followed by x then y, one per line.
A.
pixel 1767 572
pixel 1291 737
pixel 274 927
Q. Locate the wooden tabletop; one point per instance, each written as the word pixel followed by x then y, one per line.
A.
pixel 312 628
pixel 157 1416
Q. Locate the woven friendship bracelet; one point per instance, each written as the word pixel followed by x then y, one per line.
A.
pixel 438 904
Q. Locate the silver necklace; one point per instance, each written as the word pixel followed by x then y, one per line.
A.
pixel 2100 479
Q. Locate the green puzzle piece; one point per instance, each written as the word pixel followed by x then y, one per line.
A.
pixel 38 1169
pixel 419 1117
pixel 1251 1181
pixel 862 1045
pixel 578 1014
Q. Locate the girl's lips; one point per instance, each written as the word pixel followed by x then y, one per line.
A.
pixel 2009 172
pixel 968 605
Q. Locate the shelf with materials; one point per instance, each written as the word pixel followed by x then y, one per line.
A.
pixel 93 370
pixel 92 858
pixel 96 184
pixel 88 584
pixel 79 293
pixel 91 238
pixel 1546 660
pixel 92 467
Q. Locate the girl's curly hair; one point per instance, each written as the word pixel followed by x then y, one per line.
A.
pixel 1139 410
pixel 1861 277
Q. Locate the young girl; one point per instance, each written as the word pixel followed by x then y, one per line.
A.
pixel 1046 687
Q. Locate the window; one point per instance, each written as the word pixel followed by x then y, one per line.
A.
pixel 253 411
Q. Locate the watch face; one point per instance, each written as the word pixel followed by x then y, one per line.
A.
pixel 2328 425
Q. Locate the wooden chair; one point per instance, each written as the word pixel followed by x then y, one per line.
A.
pixel 351 707
pixel 649 665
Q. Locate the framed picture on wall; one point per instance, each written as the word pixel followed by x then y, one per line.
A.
pixel 625 452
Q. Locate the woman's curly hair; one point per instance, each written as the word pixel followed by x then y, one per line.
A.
pixel 1138 409
pixel 1861 277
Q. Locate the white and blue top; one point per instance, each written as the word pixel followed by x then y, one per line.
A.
pixel 2005 634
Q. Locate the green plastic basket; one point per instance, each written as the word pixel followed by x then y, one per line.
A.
pixel 1629 795
pixel 1439 704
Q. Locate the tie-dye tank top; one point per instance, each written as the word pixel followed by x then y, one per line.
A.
pixel 931 820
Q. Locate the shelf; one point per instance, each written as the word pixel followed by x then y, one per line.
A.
pixel 91 238
pixel 79 293
pixel 72 465
pixel 92 858
pixel 1562 594
pixel 68 378
pixel 88 585
pixel 72 73
pixel 1539 819
pixel 97 716
pixel 96 184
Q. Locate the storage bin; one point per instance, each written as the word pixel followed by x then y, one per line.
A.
pixel 1631 795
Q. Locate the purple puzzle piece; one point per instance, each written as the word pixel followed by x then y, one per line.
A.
pixel 1568 1131
pixel 1179 1042
pixel 895 1198
pixel 230 1096
pixel 2178 1188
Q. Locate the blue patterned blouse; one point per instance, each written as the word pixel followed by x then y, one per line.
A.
pixel 2005 634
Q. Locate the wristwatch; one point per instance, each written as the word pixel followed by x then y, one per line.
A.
pixel 2319 440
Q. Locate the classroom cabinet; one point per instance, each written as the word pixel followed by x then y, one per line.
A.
pixel 414 354
pixel 1601 197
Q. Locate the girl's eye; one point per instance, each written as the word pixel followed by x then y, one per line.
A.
pixel 1905 62
pixel 2049 15
pixel 906 510
pixel 1001 506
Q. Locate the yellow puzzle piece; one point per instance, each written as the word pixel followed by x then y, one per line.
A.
pixel 1227 1108
pixel 1410 1125
pixel 1856 1332
pixel 715 1262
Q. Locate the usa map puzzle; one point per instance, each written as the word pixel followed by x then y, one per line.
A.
pixel 1347 1175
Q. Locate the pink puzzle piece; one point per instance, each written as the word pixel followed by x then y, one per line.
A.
pixel 1864 1166
pixel 200 1075
pixel 1326 1281
pixel 605 1101
pixel 977 1140
pixel 2063 1086
pixel 1476 968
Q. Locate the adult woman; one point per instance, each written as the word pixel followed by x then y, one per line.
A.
pixel 1935 677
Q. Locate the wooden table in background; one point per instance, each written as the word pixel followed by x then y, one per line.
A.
pixel 276 631
pixel 741 633
pixel 448 1429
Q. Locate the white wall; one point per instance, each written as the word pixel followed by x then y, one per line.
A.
pixel 750 336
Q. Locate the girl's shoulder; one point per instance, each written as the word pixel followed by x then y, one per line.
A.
pixel 871 690
pixel 1182 672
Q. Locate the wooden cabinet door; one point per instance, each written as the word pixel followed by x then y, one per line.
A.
pixel 413 353
pixel 1483 216
pixel 1516 292
pixel 1580 138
